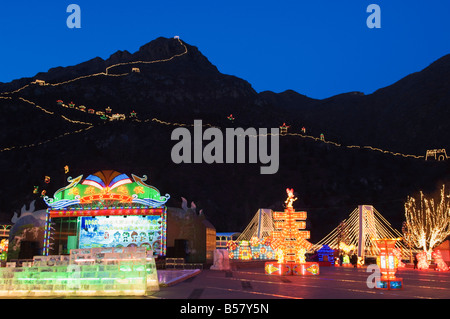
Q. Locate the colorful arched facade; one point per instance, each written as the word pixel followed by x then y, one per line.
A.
pixel 106 209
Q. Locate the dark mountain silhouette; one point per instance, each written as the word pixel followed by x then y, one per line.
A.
pixel 410 116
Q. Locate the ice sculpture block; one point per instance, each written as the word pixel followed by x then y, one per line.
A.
pixel 126 271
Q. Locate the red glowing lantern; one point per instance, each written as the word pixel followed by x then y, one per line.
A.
pixel 388 263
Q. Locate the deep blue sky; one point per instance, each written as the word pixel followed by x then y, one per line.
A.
pixel 317 48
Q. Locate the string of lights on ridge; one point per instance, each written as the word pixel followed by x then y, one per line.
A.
pixel 283 128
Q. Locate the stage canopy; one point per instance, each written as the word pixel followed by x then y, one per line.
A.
pixel 105 190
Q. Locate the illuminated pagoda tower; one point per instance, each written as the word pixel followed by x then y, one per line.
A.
pixel 106 209
pixel 289 240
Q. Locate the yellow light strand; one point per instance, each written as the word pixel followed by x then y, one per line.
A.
pixel 106 71
pixel 317 139
pixel 46 141
pixel 37 106
pixel 150 62
pixel 74 121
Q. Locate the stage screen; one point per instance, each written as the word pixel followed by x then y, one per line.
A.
pixel 121 231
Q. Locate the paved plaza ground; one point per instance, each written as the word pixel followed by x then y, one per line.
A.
pixel 249 293
pixel 331 283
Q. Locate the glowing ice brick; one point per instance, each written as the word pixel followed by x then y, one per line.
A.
pixel 131 274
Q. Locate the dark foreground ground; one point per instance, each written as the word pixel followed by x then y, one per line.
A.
pixel 249 293
pixel 331 283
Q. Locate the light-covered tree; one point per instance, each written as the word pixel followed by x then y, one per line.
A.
pixel 428 220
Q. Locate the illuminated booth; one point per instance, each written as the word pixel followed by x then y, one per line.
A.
pixel 106 209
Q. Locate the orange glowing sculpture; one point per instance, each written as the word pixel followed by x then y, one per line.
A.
pixel 289 241
pixel 388 263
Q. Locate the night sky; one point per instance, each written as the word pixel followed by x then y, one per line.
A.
pixel 317 48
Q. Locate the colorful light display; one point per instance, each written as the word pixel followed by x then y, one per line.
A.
pixel 104 191
pixel 116 231
pixel 99 206
pixel 289 242
pixel 398 254
pixel 422 262
pixel 4 249
pixel 283 129
pixel 388 264
pixel 440 263
pixel 254 249
pixel 345 252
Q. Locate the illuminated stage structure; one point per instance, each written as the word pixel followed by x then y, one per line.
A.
pixel 106 209
pixel 289 240
pixel 388 263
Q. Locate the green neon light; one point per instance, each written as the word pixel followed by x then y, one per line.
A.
pixel 85 193
pixel 128 279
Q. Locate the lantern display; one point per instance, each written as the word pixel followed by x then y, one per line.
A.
pixel 422 260
pixel 4 249
pixel 440 263
pixel 388 263
pixel 326 255
pixel 289 241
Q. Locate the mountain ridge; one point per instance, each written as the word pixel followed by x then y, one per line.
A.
pixel 329 179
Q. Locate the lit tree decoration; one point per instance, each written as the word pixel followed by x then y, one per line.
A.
pixel 427 221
